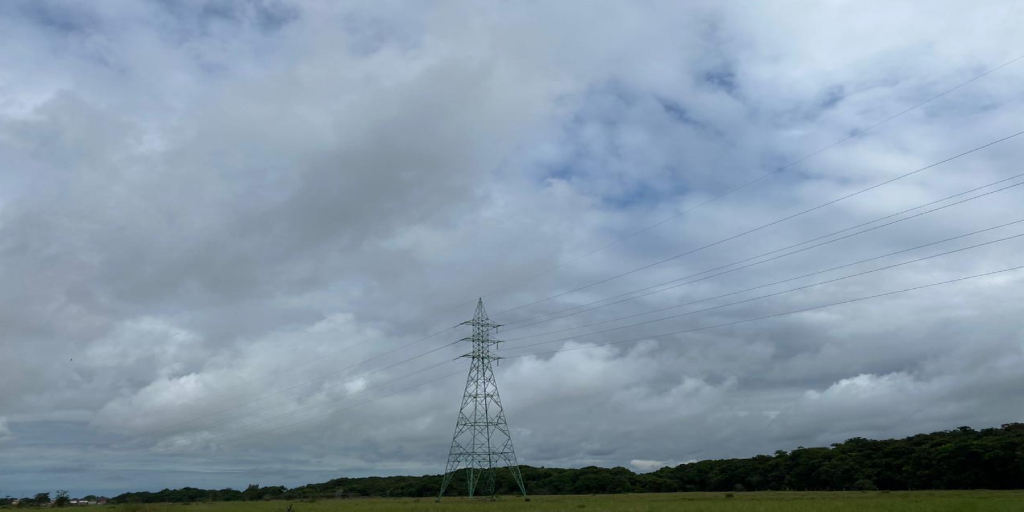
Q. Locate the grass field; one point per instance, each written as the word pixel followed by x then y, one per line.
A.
pixel 937 501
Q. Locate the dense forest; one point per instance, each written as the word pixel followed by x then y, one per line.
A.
pixel 964 458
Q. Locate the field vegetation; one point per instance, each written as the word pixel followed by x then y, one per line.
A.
pixel 879 501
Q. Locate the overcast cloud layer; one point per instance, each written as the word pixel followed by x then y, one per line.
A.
pixel 206 203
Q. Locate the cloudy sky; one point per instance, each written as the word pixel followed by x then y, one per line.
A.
pixel 213 214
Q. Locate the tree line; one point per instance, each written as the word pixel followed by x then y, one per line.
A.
pixel 39 500
pixel 963 458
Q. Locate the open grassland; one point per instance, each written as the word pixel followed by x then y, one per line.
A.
pixel 937 501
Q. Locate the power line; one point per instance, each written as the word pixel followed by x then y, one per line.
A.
pixel 286 402
pixel 591 346
pixel 553 316
pixel 776 315
pixel 775 294
pixel 670 317
pixel 853 134
pixel 774 283
pixel 522 281
pixel 770 224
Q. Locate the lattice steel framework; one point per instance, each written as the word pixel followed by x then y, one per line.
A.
pixel 482 439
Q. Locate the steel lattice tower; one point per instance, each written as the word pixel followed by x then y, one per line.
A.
pixel 482 439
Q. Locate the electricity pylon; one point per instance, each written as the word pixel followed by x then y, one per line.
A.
pixel 482 439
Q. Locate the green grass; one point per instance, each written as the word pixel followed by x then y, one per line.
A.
pixel 930 501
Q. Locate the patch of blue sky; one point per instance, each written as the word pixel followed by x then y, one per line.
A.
pixel 268 16
pixel 640 195
pixel 62 18
pixel 563 172
pixel 724 79
pixel 679 114
pixel 832 96
pixel 594 178
pixel 367 34
pixel 594 160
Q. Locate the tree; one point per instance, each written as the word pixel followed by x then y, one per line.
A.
pixel 252 492
pixel 62 499
pixel 42 498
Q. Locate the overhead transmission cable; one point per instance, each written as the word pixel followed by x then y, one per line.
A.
pixel 783 292
pixel 764 317
pixel 521 281
pixel 286 402
pixel 852 135
pixel 767 225
pixel 584 308
pixel 632 340
pixel 660 319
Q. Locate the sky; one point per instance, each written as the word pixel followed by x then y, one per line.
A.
pixel 227 228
